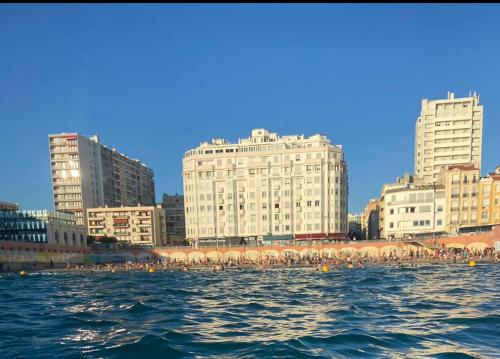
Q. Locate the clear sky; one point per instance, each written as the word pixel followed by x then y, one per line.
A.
pixel 157 80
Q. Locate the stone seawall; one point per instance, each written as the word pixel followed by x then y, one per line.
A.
pixel 28 256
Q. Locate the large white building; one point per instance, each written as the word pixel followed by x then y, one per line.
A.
pixel 87 174
pixel 413 210
pixel 447 132
pixel 266 185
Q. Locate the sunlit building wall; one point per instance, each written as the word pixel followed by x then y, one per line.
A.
pixel 87 174
pixel 265 185
pixel 447 132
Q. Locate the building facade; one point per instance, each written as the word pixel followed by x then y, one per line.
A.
pixel 265 185
pixel 462 185
pixel 371 220
pixel 489 199
pixel 42 226
pixel 355 222
pixel 7 206
pixel 401 183
pixel 87 174
pixel 175 219
pixel 414 210
pixel 143 225
pixel 447 132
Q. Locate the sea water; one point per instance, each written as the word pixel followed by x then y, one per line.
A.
pixel 432 310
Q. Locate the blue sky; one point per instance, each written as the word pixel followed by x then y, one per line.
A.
pixel 156 80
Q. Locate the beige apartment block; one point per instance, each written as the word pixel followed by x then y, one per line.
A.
pixel 265 185
pixel 447 132
pixel 87 174
pixel 462 185
pixel 489 199
pixel 144 225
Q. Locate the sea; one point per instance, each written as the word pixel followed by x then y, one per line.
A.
pixel 431 310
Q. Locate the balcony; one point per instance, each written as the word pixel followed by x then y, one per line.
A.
pixel 455 195
pixel 121 233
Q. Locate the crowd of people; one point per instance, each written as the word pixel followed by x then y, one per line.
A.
pixel 314 260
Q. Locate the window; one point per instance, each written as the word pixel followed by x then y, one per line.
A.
pixel 391 225
pixel 316 203
pixel 276 205
pixel 439 222
pixel 309 203
pixel 391 211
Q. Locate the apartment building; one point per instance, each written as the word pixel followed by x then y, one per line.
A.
pixel 448 132
pixel 87 174
pixel 144 225
pixel 266 185
pixel 401 183
pixel 174 216
pixel 462 184
pixel 414 210
pixel 371 220
pixel 489 198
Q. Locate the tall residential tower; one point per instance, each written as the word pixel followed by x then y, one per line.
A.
pixel 448 132
pixel 266 185
pixel 87 174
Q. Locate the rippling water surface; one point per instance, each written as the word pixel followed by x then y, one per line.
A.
pixel 434 310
